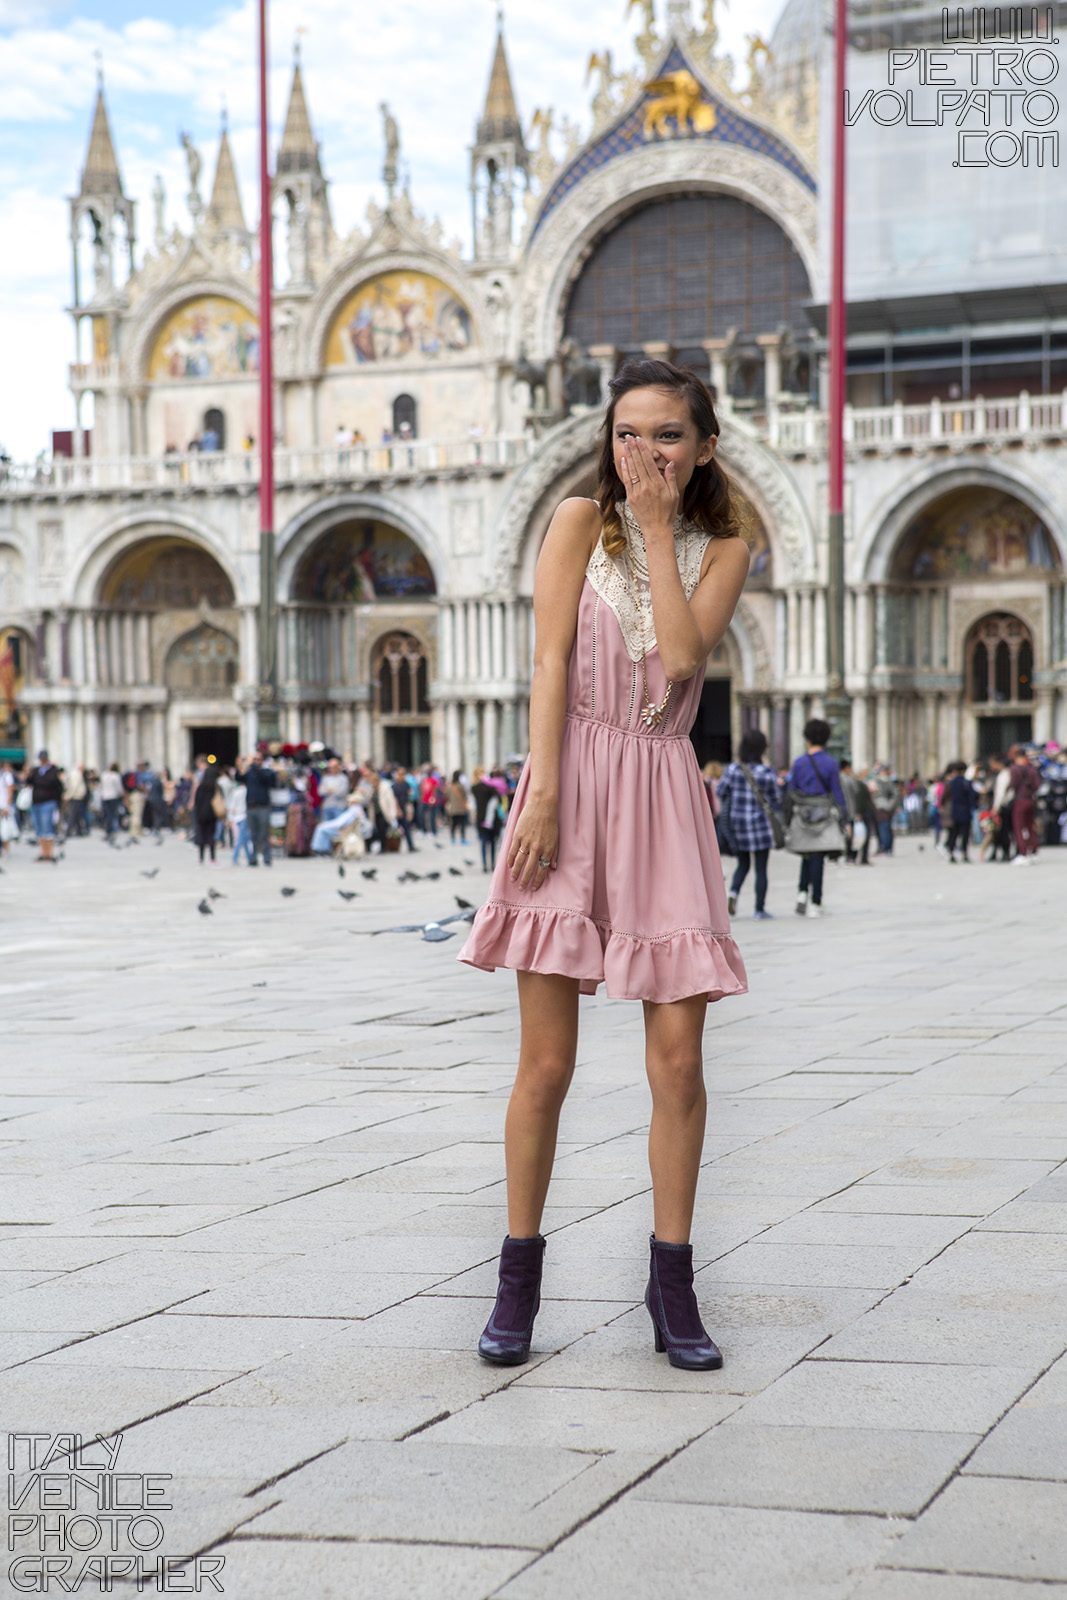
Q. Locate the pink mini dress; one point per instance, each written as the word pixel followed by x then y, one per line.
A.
pixel 637 901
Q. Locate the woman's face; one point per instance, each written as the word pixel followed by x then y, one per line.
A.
pixel 661 418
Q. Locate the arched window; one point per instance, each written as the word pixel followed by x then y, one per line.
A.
pixel 685 269
pixel 1026 670
pixel 203 662
pixel 999 664
pixel 405 417
pixel 399 676
pixel 213 436
pixel 980 673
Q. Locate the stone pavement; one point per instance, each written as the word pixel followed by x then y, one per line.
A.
pixel 251 1196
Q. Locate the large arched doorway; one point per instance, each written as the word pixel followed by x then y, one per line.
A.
pixel 999 681
pixel 961 631
pixel 164 648
pixel 400 685
pixel 362 585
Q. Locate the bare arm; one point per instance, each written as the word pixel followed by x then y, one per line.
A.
pixel 687 631
pixel 557 591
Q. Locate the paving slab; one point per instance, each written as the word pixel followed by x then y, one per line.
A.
pixel 267 1221
pixel 1000 1527
pixel 883 1471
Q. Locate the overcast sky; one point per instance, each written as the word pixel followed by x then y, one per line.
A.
pixel 168 68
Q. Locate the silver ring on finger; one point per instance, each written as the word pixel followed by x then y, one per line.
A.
pixel 544 863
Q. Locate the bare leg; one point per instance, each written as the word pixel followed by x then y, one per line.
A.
pixel 548 1007
pixel 675 1070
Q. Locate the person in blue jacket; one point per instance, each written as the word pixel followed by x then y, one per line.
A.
pixel 961 802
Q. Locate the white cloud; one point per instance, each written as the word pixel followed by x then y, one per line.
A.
pixel 430 62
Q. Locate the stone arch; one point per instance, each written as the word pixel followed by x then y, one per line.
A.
pixel 621 186
pixel 563 458
pixel 352 275
pixel 308 526
pixel 126 532
pixel 755 661
pixel 204 661
pixel 162 306
pixel 893 521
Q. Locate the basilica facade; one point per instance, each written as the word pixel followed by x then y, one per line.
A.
pixel 435 401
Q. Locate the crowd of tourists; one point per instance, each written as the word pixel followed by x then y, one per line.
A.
pixel 1005 808
pixel 301 801
pixel 305 802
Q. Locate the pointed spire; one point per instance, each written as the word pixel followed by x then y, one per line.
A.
pixel 500 119
pixel 100 175
pixel 225 212
pixel 298 151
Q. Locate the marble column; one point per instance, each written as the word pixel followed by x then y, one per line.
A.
pixel 490 734
pixel 509 730
pixel 792 632
pixel 485 645
pixel 796 725
pixel 860 738
pixel 474 666
pixel 780 732
pixel 446 658
pixel 511 643
pixel 471 737
pixel 883 728
pixel 364 732
pixel 497 635
pixel 453 737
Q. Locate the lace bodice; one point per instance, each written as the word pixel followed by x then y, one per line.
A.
pixel 614 582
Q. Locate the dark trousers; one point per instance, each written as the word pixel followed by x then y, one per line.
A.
pixel 259 833
pixel 811 875
pixel 885 837
pixel 459 827
pixel 205 832
pixel 744 861
pixel 111 815
pixel 958 834
pixel 1002 837
pixel 487 840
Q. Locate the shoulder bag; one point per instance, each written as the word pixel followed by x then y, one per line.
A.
pixel 814 820
pixel 777 825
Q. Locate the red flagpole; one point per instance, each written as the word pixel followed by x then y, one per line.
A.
pixel 838 708
pixel 267 698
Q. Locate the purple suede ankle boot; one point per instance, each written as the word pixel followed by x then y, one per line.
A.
pixel 506 1340
pixel 672 1305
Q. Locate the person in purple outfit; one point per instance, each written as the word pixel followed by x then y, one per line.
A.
pixel 815 772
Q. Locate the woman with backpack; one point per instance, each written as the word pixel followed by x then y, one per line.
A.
pixel 748 790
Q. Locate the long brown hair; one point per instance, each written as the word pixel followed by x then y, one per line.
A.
pixel 710 500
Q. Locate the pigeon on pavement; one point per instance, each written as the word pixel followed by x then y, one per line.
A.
pixel 340 869
pixel 370 872
pixel 215 894
pixel 464 905
pixel 348 894
pixel 455 872
pixel 150 874
pixel 204 909
pixel 286 891
pixel 432 932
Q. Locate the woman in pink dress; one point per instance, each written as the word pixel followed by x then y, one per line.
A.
pixel 609 871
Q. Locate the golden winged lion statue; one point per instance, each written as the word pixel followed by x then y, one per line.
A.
pixel 679 100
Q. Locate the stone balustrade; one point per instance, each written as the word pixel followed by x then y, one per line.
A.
pixel 939 424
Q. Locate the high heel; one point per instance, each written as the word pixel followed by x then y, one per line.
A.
pixel 507 1335
pixel 672 1305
